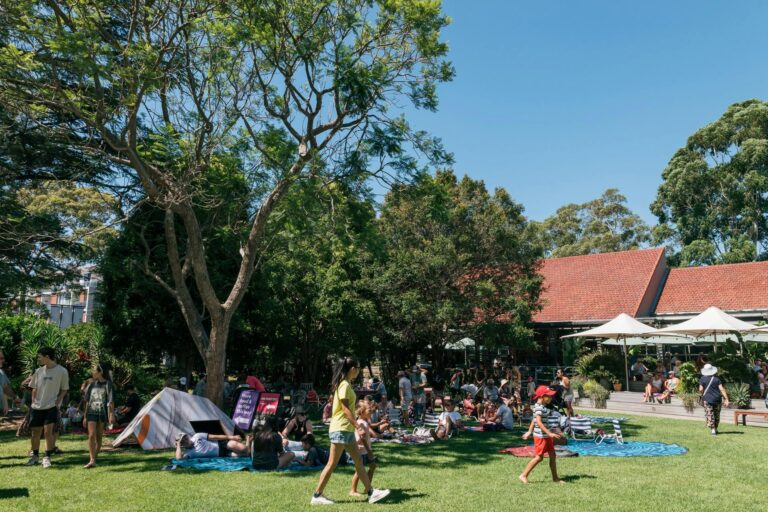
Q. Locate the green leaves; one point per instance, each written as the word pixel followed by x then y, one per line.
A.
pixel 714 197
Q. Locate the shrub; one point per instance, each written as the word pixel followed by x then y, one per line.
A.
pixel 596 393
pixel 733 368
pixel 689 378
pixel 739 395
pixel 600 365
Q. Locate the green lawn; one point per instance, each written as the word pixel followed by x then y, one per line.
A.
pixel 468 473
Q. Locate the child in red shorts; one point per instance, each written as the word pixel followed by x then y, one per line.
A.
pixel 543 438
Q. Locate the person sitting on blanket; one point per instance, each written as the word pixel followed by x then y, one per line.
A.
pixel 267 451
pixel 209 445
pixel 488 415
pixel 297 427
pixel 655 386
pixel 503 418
pixel 380 416
pixel 314 455
pixel 669 386
pixel 448 421
pixel 470 409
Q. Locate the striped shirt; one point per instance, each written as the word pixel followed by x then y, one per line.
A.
pixel 540 411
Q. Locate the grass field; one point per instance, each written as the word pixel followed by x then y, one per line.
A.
pixel 727 472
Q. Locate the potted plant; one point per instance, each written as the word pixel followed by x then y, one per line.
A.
pixel 739 396
pixel 597 394
pixel 616 384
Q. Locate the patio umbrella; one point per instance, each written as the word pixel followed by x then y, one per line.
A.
pixel 619 329
pixel 712 321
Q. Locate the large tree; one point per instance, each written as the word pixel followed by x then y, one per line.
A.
pixel 604 224
pixel 713 202
pixel 458 261
pixel 284 84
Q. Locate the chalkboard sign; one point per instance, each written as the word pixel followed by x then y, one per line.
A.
pixel 245 408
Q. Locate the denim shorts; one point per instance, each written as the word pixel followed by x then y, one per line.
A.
pixel 341 437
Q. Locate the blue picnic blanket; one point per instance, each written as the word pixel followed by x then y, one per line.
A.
pixel 230 464
pixel 610 448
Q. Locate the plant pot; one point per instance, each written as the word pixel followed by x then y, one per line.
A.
pixel 600 403
pixel 617 386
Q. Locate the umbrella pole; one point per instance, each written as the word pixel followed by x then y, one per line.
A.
pixel 626 368
pixel 715 337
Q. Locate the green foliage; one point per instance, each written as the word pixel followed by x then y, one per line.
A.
pixel 596 364
pixel 457 257
pixel 732 368
pixel 601 225
pixel 712 202
pixel 739 395
pixel 689 378
pixel 596 393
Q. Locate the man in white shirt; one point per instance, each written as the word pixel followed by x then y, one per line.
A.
pixel 49 385
pixel 202 445
pixel 448 421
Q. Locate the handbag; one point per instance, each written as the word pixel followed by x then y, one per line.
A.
pixel 701 398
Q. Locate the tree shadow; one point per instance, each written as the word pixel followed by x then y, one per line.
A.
pixel 14 492
pixel 576 478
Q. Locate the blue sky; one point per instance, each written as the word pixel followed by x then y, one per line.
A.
pixel 557 101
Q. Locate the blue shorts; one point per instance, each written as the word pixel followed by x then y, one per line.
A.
pixel 341 437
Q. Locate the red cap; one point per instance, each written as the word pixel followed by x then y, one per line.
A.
pixel 543 391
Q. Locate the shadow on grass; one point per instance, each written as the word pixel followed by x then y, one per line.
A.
pixel 15 492
pixel 576 478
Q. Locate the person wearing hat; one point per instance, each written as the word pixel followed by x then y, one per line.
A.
pixel 297 427
pixel 713 396
pixel 543 438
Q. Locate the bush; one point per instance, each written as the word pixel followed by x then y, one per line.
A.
pixel 595 365
pixel 739 395
pixel 733 368
pixel 689 378
pixel 596 393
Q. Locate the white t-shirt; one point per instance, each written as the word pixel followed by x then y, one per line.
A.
pixel 48 383
pixel 505 413
pixel 405 385
pixel 454 415
pixel 202 447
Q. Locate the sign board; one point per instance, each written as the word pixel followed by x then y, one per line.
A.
pixel 245 408
pixel 268 403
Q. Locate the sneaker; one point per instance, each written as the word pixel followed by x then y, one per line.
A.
pixel 321 500
pixel 378 495
pixel 33 459
pixel 46 462
pixel 713 432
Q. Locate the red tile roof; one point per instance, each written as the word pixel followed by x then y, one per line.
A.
pixel 736 287
pixel 600 286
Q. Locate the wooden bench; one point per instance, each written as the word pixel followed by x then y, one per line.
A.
pixel 743 413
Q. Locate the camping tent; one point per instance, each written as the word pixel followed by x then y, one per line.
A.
pixel 168 413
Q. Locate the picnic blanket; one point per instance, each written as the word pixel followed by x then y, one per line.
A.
pixel 609 448
pixel 475 428
pixel 527 451
pixel 405 439
pixel 604 419
pixel 229 464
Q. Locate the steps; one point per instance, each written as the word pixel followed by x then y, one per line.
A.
pixel 632 403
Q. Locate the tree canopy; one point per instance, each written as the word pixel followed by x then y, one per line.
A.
pixel 713 203
pixel 604 224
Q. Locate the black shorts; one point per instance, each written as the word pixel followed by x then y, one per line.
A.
pixel 96 417
pixel 223 450
pixel 42 417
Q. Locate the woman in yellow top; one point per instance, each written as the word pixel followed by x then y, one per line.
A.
pixel 342 432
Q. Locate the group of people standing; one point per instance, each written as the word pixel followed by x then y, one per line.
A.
pixel 49 385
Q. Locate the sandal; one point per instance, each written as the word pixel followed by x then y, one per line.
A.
pixel 89 465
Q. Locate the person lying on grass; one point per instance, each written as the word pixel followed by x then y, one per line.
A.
pixel 202 445
pixel 542 436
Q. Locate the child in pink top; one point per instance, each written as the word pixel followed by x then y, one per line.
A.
pixel 363 438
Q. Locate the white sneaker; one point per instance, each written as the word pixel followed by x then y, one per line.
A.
pixel 321 500
pixel 377 495
pixel 46 462
pixel 714 432
pixel 32 460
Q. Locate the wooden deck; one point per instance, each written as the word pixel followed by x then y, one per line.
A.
pixel 630 402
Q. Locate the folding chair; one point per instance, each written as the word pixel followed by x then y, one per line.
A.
pixel 395 416
pixel 616 436
pixel 581 428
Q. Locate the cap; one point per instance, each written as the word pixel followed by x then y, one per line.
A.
pixel 543 391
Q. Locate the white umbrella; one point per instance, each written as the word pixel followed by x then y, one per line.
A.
pixel 712 321
pixel 620 328
pixel 461 344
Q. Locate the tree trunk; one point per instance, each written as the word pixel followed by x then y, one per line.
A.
pixel 215 362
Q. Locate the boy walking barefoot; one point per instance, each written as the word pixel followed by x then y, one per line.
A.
pixel 543 438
